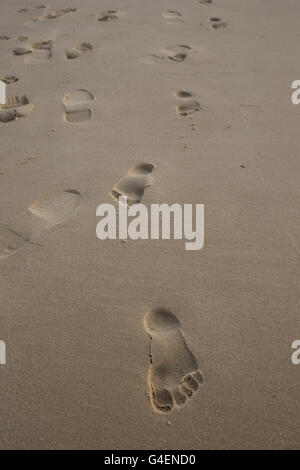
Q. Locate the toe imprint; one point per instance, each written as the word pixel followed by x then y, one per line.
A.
pixel 173 373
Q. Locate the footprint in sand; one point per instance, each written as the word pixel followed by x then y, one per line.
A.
pixel 185 103
pixel 108 15
pixel 10 241
pixel 173 374
pixel 134 183
pixel 173 53
pixel 40 50
pixel 45 213
pixel 4 38
pixel 77 106
pixel 51 15
pixel 53 210
pixel 172 16
pixel 22 38
pixel 204 1
pixel 76 51
pixel 217 23
pixel 15 107
pixel 9 80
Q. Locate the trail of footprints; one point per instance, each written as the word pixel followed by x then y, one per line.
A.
pixel 173 375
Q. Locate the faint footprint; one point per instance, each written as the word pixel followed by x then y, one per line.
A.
pixel 77 106
pixel 134 183
pixel 173 374
pixel 10 241
pixel 53 210
pixel 108 15
pixel 57 13
pixel 15 107
pixel 172 16
pixel 185 103
pixel 76 51
pixel 22 38
pixel 217 23
pixel 174 53
pixel 204 1
pixel 4 38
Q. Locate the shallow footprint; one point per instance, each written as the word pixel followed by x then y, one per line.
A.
pixel 185 103
pixel 172 16
pixel 15 107
pixel 53 210
pixel 10 241
pixel 177 53
pixel 77 106
pixel 173 374
pixel 76 51
pixel 134 183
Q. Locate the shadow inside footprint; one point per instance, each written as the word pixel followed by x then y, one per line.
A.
pixel 134 183
pixel 173 373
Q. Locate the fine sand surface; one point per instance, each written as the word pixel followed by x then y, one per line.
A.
pixel 143 344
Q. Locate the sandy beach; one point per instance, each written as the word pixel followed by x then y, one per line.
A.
pixel 143 344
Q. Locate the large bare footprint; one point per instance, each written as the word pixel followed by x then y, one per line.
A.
pixel 173 373
pixel 53 210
